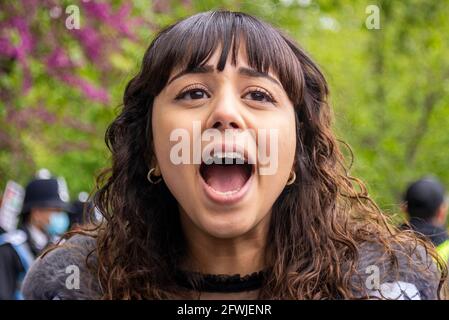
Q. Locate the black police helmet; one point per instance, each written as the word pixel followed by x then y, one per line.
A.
pixel 424 197
pixel 45 193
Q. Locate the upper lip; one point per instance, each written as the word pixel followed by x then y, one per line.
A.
pixel 228 150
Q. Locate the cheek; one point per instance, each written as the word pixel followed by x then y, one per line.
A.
pixel 162 126
pixel 279 144
pixel 288 139
pixel 287 146
pixel 166 121
pixel 283 156
pixel 46 218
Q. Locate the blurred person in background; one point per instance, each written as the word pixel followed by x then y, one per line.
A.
pixel 78 209
pixel 42 220
pixel 44 214
pixel 426 207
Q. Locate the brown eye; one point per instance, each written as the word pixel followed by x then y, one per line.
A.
pixel 259 95
pixel 193 94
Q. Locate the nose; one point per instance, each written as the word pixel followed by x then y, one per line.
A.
pixel 226 112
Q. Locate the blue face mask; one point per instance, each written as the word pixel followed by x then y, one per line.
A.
pixel 59 223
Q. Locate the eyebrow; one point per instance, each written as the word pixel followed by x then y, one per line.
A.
pixel 257 74
pixel 209 69
pixel 199 69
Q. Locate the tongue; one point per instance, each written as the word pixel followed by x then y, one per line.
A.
pixel 226 178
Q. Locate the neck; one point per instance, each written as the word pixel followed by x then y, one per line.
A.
pixel 242 255
pixel 437 223
pixel 38 237
pixel 434 222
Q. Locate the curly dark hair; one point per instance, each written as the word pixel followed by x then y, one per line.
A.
pixel 318 223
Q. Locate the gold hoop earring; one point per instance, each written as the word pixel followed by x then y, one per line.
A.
pixel 291 179
pixel 150 178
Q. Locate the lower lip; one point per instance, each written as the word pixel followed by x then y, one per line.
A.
pixel 226 199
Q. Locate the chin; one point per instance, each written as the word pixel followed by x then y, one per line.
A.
pixel 228 225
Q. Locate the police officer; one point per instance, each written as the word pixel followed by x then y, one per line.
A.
pixel 80 208
pixel 427 209
pixel 42 219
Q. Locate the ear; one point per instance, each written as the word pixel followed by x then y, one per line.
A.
pixel 403 207
pixel 154 164
pixel 442 213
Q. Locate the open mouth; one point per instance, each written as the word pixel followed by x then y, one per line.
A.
pixel 226 173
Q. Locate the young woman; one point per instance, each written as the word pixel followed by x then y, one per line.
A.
pixel 203 230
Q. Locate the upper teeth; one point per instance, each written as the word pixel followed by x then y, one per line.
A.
pixel 228 157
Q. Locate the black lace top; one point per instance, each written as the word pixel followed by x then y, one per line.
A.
pixel 220 282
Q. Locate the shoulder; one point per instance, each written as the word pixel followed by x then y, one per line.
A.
pixel 14 252
pixel 63 272
pixel 9 240
pixel 15 238
pixel 403 272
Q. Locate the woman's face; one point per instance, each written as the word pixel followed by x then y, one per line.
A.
pixel 240 120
